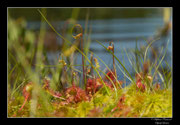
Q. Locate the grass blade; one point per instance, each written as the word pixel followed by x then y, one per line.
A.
pixel 116 59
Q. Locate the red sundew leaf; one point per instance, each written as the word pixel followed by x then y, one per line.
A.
pixel 114 109
pixel 109 85
pixel 141 86
pixel 139 76
pixel 56 94
pixel 89 82
pixel 70 99
pixel 75 94
pixel 27 95
pixel 27 90
pixel 120 104
pixel 46 84
pixel 71 91
pixel 111 75
pixel 63 103
pixel 93 85
pixel 90 86
pixel 26 98
pixel 50 91
pixel 81 95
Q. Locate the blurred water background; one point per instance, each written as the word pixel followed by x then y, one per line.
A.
pixel 123 26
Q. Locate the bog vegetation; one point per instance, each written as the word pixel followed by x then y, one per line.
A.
pixel 38 89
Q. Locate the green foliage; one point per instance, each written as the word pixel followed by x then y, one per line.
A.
pixel 106 102
pixel 83 108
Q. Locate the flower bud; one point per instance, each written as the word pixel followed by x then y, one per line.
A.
pixel 110 48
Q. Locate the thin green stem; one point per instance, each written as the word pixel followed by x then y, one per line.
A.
pixel 117 60
pixel 75 47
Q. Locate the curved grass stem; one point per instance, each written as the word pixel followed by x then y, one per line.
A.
pixel 75 47
pixel 117 60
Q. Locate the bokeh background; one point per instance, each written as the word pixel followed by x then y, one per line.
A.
pixel 128 28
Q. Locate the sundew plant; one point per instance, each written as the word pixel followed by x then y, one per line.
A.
pixel 38 88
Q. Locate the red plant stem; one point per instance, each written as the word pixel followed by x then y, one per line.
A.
pixel 92 73
pixel 114 61
pixel 26 98
pixel 83 59
pixel 72 79
pixel 114 67
pixel 64 72
pixel 94 82
pixel 91 64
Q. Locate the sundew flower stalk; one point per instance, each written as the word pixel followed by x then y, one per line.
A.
pixel 80 37
pixel 63 74
pixel 111 47
pixel 90 72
